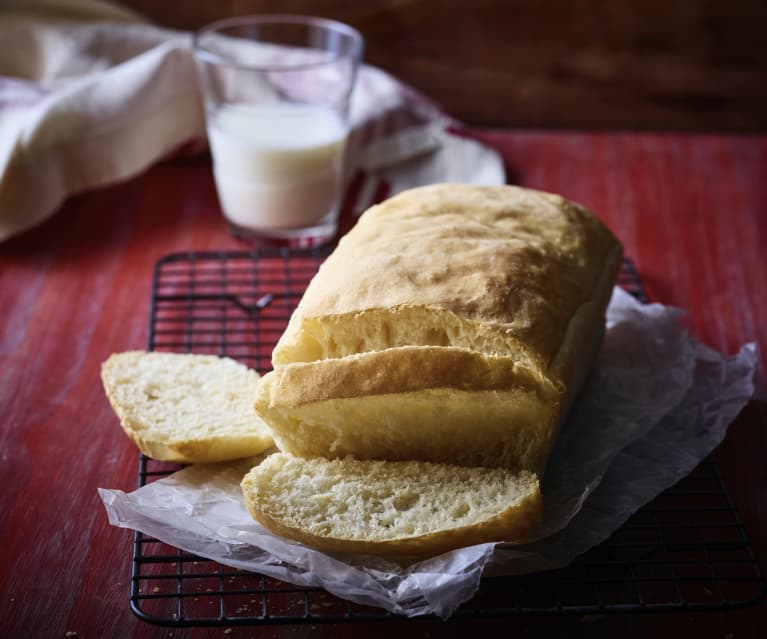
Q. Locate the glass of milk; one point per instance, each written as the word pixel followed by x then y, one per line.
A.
pixel 277 91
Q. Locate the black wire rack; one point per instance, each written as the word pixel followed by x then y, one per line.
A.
pixel 686 550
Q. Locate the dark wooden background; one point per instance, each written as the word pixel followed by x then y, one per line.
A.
pixel 607 64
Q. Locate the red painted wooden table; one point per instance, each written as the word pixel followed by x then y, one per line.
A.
pixel 691 211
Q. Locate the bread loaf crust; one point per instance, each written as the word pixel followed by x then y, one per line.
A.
pixel 468 295
pixel 401 370
pixel 515 261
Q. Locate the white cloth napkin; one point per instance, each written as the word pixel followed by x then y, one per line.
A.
pixel 90 94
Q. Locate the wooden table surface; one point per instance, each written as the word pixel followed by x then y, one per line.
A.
pixel 690 209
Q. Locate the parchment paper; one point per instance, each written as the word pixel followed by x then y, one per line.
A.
pixel 656 404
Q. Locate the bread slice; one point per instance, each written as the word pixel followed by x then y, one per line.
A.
pixel 453 323
pixel 390 508
pixel 186 408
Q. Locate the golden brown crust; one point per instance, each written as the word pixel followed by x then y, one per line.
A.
pixel 210 450
pixel 400 370
pixel 519 260
pixel 464 289
pixel 508 429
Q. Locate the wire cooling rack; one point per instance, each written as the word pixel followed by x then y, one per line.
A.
pixel 686 550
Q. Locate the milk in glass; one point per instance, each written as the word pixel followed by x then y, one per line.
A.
pixel 277 166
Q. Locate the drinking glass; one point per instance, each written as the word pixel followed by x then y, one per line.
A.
pixel 276 90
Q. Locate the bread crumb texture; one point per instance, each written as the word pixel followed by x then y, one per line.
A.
pixel 186 407
pixel 388 504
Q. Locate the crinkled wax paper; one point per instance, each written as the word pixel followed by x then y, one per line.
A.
pixel 656 404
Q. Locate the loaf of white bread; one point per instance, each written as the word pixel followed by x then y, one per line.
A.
pixel 419 385
pixel 452 324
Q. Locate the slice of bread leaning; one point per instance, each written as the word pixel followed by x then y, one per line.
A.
pixel 186 408
pixel 400 509
pixel 453 323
